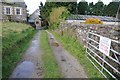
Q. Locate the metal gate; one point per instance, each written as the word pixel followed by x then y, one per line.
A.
pixel 104 54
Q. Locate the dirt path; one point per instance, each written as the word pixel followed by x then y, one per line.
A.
pixel 31 65
pixel 70 67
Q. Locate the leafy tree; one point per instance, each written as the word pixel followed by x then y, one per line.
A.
pixel 82 7
pixel 57 15
pixel 71 6
pixel 41 4
pixel 111 9
pixel 90 9
pixel 104 10
pixel 99 8
pixel 47 8
pixel 115 0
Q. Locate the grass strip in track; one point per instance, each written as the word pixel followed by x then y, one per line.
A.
pixel 51 68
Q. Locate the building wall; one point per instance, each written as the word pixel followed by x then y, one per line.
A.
pixel 0 11
pixel 34 16
pixel 13 16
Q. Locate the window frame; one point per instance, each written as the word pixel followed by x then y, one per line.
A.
pixel 20 10
pixel 10 12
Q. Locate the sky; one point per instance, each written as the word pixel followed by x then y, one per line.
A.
pixel 32 5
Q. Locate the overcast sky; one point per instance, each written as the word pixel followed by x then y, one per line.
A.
pixel 32 5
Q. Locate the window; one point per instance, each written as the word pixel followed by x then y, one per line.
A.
pixel 18 11
pixel 8 10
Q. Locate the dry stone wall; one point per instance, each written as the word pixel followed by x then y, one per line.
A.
pixel 80 32
pixel 109 31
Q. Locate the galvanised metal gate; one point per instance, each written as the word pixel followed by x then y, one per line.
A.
pixel 105 56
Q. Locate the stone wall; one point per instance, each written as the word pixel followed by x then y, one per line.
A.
pixel 79 31
pixel 109 31
pixel 13 16
pixel 0 11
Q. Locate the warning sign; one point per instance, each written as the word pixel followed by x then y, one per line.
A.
pixel 104 45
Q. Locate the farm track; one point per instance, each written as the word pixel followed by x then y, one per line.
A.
pixel 69 65
pixel 31 65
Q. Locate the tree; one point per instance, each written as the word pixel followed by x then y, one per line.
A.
pixel 115 0
pixel 47 8
pixel 111 9
pixel 82 7
pixel 45 11
pixel 40 7
pixel 90 9
pixel 99 8
pixel 41 4
pixel 71 6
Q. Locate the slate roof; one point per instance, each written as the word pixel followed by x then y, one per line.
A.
pixel 11 1
pixel 84 17
pixel 35 14
pixel 20 3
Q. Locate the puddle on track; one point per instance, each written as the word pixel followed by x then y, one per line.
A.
pixel 31 67
pixel 24 70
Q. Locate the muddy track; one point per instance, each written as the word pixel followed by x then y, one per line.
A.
pixel 31 65
pixel 70 67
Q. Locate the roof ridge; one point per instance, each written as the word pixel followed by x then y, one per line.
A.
pixel 12 1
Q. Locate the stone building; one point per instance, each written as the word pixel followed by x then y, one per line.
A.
pixel 13 10
pixel 35 20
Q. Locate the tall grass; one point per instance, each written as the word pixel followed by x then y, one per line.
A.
pixel 15 40
pixel 0 50
pixel 0 28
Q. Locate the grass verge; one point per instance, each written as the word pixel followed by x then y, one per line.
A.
pixel 13 45
pixel 77 50
pixel 0 57
pixel 0 50
pixel 51 68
